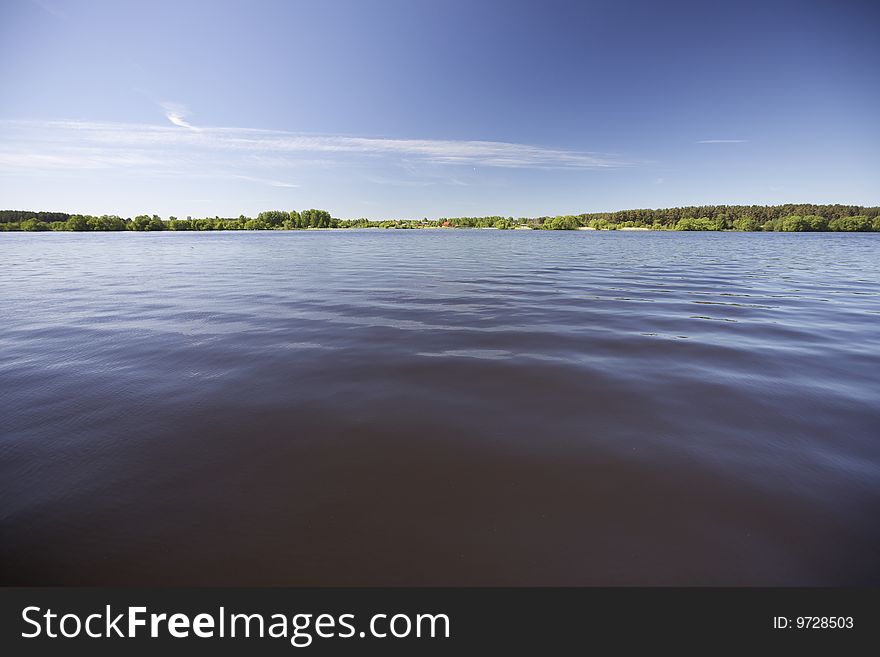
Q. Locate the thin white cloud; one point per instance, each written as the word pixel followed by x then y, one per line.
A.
pixel 264 181
pixel 177 113
pixel 232 145
pixel 722 141
pixel 399 182
pixel 22 159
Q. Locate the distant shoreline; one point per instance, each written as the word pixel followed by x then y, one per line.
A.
pixel 792 217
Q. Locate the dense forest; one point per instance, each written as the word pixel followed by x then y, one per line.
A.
pixel 789 218
pixel 794 217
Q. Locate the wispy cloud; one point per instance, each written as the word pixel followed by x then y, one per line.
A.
pixel 177 113
pixel 264 181
pixel 22 158
pixel 231 146
pixel 722 141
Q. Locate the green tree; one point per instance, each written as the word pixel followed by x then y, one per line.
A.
pixel 33 225
pixel 774 224
pixel 78 223
pixel 856 224
pixel 147 222
pixel 273 218
pixel 140 222
pixel 794 223
pixel 690 223
pixel 567 222
pixel 180 224
pixel 817 223
pixel 746 224
pixel 315 218
pixel 106 222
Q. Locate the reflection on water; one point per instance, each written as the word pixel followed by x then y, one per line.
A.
pixel 440 407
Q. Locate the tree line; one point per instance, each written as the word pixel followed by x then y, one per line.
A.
pixel 790 217
pixel 786 218
pixel 269 220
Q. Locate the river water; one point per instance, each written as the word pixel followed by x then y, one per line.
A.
pixel 440 407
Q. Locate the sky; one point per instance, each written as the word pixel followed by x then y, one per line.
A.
pixel 416 108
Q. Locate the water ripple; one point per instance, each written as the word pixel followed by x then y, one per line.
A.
pixel 506 407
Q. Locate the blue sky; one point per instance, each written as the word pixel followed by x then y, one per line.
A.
pixel 416 108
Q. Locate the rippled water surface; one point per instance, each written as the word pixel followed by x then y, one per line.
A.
pixel 440 407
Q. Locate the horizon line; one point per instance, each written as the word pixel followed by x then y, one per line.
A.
pixel 447 216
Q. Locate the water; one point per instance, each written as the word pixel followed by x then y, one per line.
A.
pixel 440 407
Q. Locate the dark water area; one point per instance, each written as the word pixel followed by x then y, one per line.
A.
pixel 440 408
